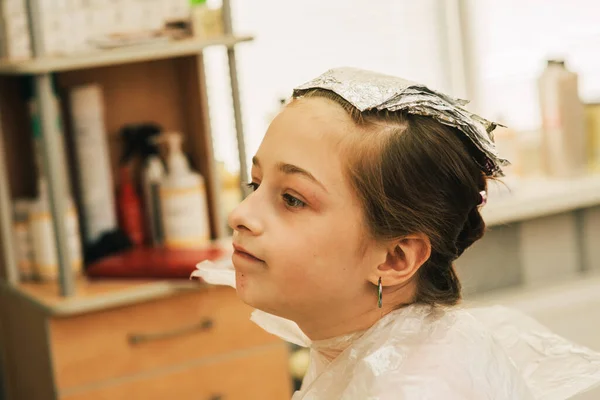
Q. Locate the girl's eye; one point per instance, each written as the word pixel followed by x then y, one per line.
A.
pixel 253 186
pixel 293 202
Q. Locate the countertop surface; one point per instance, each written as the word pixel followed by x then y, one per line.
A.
pixel 97 294
pixel 523 199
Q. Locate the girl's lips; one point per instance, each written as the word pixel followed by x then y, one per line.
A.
pixel 246 256
pixel 241 252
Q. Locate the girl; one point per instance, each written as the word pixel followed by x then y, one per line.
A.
pixel 366 189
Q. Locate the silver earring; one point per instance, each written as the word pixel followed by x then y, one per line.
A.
pixel 379 294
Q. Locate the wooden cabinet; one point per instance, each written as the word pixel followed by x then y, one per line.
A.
pixel 255 375
pixel 194 344
pixel 139 338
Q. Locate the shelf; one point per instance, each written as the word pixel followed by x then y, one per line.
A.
pixel 97 294
pixel 94 294
pixel 553 297
pixel 531 199
pixel 122 55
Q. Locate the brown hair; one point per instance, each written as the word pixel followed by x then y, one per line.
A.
pixel 416 175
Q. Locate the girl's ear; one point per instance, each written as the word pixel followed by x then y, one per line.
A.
pixel 403 259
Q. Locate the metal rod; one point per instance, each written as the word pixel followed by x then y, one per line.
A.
pixel 452 37
pixel 227 22
pixel 6 220
pixel 469 61
pixel 214 180
pixel 235 94
pixel 237 113
pixel 53 158
pixel 54 164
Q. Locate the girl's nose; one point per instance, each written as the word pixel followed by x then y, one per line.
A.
pixel 245 217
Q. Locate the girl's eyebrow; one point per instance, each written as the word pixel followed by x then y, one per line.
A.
pixel 290 169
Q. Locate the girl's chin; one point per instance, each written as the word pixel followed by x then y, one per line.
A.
pixel 243 286
pixel 251 292
pixel 241 281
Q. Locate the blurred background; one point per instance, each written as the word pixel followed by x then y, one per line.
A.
pixel 126 127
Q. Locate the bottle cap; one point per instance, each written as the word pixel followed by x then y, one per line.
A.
pixel 149 144
pixel 176 160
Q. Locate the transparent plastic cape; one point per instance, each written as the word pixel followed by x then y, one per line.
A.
pixel 419 352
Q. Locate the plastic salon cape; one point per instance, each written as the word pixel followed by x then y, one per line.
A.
pixel 424 353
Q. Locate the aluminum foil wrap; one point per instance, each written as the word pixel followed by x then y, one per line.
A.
pixel 367 90
pixel 429 353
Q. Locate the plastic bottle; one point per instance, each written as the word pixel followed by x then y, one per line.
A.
pixel 564 151
pixel 93 162
pixel 206 21
pixel 43 240
pixel 183 200
pixel 152 174
pixel 198 15
pixel 130 207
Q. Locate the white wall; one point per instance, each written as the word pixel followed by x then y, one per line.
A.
pixel 511 39
pixel 298 40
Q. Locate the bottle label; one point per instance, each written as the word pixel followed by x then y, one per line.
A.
pixel 45 257
pixel 184 213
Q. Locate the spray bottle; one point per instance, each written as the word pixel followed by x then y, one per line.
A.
pixel 183 200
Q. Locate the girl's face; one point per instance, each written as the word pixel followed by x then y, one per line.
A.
pixel 302 248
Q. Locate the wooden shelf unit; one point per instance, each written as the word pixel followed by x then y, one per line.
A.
pixel 71 339
pixel 117 56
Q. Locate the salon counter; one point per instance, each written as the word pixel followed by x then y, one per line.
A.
pixel 133 339
pixel 540 232
pixel 515 200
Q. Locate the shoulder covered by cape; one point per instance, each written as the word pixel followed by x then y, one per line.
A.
pixel 420 352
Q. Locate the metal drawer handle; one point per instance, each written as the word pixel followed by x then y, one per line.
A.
pixel 216 397
pixel 139 338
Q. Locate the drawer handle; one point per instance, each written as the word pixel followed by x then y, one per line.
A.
pixel 216 397
pixel 139 338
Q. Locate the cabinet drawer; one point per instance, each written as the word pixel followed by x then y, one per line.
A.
pixel 260 375
pixel 124 341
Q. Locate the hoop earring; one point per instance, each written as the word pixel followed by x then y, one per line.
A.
pixel 379 294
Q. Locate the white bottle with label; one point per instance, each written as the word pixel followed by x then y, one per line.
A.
pixel 564 151
pixel 183 202
pixel 93 162
pixel 45 257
